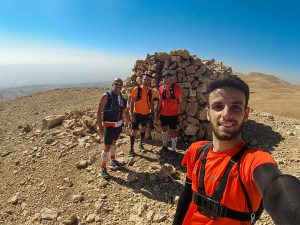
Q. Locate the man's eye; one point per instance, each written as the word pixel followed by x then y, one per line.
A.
pixel 236 108
pixel 218 107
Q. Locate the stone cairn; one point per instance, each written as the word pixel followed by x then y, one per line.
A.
pixel 193 75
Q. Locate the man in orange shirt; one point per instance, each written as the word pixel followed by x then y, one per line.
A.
pixel 169 108
pixel 141 107
pixel 226 180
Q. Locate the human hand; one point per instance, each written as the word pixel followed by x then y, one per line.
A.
pixel 156 117
pixel 101 130
pixel 132 118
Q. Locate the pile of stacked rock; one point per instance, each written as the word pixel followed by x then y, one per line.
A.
pixel 193 75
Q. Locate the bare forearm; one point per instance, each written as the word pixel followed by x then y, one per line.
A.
pixel 132 105
pixel 99 116
pixel 181 105
pixel 126 114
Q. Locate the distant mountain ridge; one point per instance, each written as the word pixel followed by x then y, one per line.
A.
pixel 263 83
pixel 14 92
pixel 271 94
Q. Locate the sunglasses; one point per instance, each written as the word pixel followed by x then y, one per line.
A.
pixel 118 84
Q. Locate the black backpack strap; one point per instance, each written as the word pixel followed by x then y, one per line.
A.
pixel 164 94
pixel 218 194
pixel 205 150
pixel 109 100
pixel 254 216
pixel 139 94
pixel 172 92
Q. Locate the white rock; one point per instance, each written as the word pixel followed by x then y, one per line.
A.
pixel 49 214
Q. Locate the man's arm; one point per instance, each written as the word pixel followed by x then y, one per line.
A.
pixel 126 115
pixel 281 194
pixel 180 102
pixel 158 108
pixel 101 106
pixel 132 102
pixel 184 202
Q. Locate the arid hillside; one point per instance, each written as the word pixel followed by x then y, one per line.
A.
pixel 53 176
pixel 270 94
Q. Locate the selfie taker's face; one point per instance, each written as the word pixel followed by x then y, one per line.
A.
pixel 227 112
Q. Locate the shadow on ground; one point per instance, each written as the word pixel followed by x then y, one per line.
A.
pixel 260 135
pixel 257 135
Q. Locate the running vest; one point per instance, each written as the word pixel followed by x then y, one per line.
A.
pixel 139 95
pixel 114 107
pixel 172 94
pixel 210 205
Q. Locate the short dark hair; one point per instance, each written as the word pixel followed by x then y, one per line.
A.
pixel 231 81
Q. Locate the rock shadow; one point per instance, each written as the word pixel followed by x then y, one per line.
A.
pixel 149 185
pixel 259 135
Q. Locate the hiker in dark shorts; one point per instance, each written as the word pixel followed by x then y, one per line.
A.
pixel 110 117
pixel 169 108
pixel 226 180
pixel 141 108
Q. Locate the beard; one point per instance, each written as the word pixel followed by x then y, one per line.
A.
pixel 226 136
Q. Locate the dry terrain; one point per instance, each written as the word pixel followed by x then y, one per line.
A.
pixel 270 94
pixel 52 176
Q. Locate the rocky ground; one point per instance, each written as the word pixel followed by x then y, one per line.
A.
pixel 52 176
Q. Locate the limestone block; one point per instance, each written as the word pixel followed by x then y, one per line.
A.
pixel 52 121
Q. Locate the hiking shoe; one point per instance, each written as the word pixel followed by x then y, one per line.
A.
pixel 163 150
pixel 131 153
pixel 114 164
pixel 141 148
pixel 104 174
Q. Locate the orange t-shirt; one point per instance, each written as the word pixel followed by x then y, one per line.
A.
pixel 143 105
pixel 216 165
pixel 169 107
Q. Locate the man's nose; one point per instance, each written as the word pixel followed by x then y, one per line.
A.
pixel 226 112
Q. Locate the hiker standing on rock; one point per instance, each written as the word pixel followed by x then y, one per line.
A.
pixel 226 181
pixel 141 108
pixel 169 108
pixel 110 117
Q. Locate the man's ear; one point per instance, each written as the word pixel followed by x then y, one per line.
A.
pixel 247 110
pixel 207 113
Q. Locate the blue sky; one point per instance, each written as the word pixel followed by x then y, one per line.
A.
pixel 77 40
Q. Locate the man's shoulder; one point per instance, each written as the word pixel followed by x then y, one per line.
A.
pixel 256 152
pixel 177 88
pixel 256 156
pixel 135 88
pixel 194 147
pixel 105 95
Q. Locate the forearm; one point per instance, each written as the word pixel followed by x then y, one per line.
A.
pixel 158 106
pixel 99 117
pixel 131 106
pixel 181 105
pixel 282 200
pixel 126 114
pixel 183 203
pixel 152 108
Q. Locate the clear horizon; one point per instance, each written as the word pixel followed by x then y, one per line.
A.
pixel 72 41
